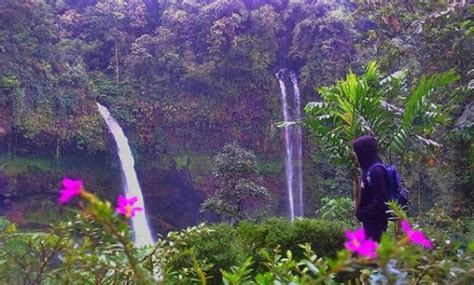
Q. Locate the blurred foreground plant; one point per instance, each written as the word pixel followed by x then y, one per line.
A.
pixel 95 248
pixel 393 261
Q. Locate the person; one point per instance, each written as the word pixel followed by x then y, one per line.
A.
pixel 372 207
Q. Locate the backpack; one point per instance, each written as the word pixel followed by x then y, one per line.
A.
pixel 396 191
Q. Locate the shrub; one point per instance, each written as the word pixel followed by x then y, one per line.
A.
pixel 219 247
pixel 185 254
pixel 338 209
pixel 325 237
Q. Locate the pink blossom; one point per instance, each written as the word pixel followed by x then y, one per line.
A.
pixel 415 237
pixel 72 188
pixel 125 206
pixel 356 242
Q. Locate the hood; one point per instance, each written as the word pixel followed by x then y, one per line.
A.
pixel 365 148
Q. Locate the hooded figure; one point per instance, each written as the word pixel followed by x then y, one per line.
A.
pixel 374 193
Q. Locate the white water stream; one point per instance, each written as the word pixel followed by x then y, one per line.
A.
pixel 131 187
pixel 293 145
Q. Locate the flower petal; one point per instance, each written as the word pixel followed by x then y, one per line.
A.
pixel 132 200
pixel 406 226
pixel 121 200
pixel 359 234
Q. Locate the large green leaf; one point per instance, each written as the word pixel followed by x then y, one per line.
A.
pixel 418 105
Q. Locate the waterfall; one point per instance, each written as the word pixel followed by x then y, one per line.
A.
pixel 293 145
pixel 298 144
pixel 131 187
pixel 288 144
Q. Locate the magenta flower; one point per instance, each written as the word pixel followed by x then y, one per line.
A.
pixel 125 206
pixel 356 242
pixel 415 237
pixel 72 188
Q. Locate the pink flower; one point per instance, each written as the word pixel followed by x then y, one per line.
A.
pixel 415 237
pixel 356 242
pixel 72 188
pixel 125 206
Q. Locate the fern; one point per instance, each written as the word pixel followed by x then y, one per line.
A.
pixel 417 105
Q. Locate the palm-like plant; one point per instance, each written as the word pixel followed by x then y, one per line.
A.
pixel 361 105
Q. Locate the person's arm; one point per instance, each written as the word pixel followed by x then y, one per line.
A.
pixel 377 207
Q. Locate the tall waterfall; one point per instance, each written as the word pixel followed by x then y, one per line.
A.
pixel 298 156
pixel 288 145
pixel 131 187
pixel 293 145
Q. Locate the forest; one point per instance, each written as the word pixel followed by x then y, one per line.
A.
pixel 211 142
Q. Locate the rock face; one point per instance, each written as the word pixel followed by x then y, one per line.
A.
pixel 26 185
pixel 467 118
pixel 171 199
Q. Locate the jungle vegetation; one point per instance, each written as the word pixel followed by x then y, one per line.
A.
pixel 192 83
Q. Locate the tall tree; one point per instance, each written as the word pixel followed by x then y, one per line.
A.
pixel 238 183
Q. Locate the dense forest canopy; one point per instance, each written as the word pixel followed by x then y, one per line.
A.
pixel 185 77
pixel 198 89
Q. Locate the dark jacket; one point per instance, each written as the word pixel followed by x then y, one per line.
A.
pixel 374 195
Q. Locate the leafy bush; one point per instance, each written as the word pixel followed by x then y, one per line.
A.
pixel 96 248
pixel 220 247
pixel 324 236
pixel 207 248
pixel 338 209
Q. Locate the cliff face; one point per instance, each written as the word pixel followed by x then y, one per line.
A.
pixel 183 79
pixel 174 145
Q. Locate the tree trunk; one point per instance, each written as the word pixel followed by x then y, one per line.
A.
pixel 355 177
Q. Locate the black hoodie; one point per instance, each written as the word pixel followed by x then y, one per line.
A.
pixel 372 207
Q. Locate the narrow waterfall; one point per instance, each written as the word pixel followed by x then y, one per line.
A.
pixel 131 187
pixel 298 144
pixel 288 144
pixel 293 144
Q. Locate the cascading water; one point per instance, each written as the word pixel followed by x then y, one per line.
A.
pixel 131 187
pixel 293 145
pixel 298 144
pixel 288 144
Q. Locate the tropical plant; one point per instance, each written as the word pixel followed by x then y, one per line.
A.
pixel 368 104
pixel 338 209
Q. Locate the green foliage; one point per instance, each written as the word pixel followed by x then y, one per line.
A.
pixel 217 249
pixel 236 175
pixel 324 236
pixel 210 249
pixel 418 106
pixel 339 209
pixel 397 261
pixel 22 165
pixel 358 105
pixel 197 164
pixel 29 256
pixel 268 167
pixel 238 274
pixel 95 247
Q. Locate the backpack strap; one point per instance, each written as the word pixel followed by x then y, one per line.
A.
pixel 370 169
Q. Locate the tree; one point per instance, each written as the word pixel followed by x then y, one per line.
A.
pixel 236 176
pixel 362 105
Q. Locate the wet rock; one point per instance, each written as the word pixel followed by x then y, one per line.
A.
pixel 171 199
